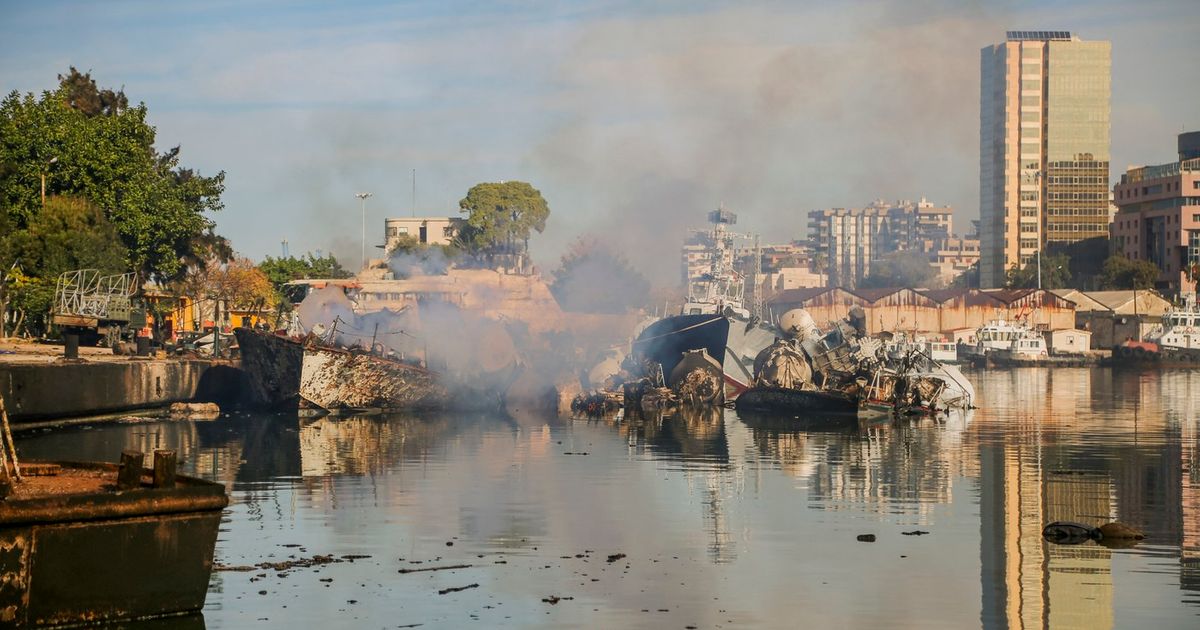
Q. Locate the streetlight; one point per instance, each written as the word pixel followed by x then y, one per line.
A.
pixel 362 197
pixel 52 161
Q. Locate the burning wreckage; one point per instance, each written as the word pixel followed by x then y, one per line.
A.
pixel 332 367
pixel 842 371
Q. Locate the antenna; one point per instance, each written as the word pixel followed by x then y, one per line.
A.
pixel 284 245
pixel 414 193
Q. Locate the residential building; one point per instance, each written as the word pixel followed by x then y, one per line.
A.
pixel 845 241
pixel 1158 218
pixel 954 256
pixel 1043 146
pixel 426 230
pixel 917 225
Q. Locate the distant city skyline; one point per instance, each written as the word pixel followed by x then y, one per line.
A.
pixel 632 120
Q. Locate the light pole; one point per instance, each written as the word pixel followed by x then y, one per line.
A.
pixel 44 170
pixel 362 197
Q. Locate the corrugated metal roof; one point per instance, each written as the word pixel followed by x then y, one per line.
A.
pixel 874 295
pixel 797 296
pixel 1008 296
pixel 1122 302
pixel 1083 303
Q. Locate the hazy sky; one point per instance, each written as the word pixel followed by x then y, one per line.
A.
pixel 633 119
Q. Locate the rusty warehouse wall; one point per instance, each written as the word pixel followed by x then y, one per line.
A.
pixel 904 310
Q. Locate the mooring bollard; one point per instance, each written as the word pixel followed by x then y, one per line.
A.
pixel 164 469
pixel 129 473
pixel 71 349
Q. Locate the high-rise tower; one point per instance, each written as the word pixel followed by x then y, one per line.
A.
pixel 1043 146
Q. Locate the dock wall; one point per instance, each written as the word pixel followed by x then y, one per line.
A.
pixel 42 391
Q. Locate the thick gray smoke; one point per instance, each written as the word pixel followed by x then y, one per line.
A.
pixel 427 261
pixel 672 116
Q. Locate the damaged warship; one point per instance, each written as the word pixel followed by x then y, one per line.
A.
pixel 845 371
pixel 709 348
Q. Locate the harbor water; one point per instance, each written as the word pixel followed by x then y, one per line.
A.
pixel 702 519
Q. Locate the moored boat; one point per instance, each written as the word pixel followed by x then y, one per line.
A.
pixel 74 550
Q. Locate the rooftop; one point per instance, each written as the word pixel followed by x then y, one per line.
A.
pixel 1017 36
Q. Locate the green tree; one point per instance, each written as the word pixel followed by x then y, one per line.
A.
pixel 900 269
pixel 501 217
pixel 89 143
pixel 1056 273
pixel 1120 272
pixel 70 233
pixel 280 271
pixel 593 279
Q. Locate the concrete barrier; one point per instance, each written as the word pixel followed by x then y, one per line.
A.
pixel 61 390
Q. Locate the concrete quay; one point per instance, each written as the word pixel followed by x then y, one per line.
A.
pixel 37 384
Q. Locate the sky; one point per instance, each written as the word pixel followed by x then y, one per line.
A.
pixel 633 118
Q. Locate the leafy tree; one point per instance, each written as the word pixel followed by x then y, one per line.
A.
pixel 900 269
pixel 281 271
pixel 238 283
pixel 501 216
pixel 1120 272
pixel 593 279
pixel 89 143
pixel 83 95
pixel 70 233
pixel 1056 273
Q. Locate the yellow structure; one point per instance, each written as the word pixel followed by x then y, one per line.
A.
pixel 1043 146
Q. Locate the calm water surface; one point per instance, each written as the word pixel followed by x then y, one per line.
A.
pixel 724 521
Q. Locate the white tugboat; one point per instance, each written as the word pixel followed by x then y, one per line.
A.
pixel 1176 342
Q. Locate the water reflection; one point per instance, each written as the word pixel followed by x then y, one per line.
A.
pixel 744 509
pixel 1086 445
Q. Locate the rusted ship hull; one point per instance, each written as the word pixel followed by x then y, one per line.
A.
pixel 287 374
pixel 335 380
pixel 272 364
pixel 105 556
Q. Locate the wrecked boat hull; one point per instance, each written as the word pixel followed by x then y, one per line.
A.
pixel 287 374
pixel 272 364
pixel 338 380
pixel 107 556
pixel 780 399
pixel 665 341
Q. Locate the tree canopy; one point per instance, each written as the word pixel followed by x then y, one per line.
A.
pixel 1056 273
pixel 238 282
pixel 900 269
pixel 90 144
pixel 593 279
pixel 280 271
pixel 70 233
pixel 501 216
pixel 1120 272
